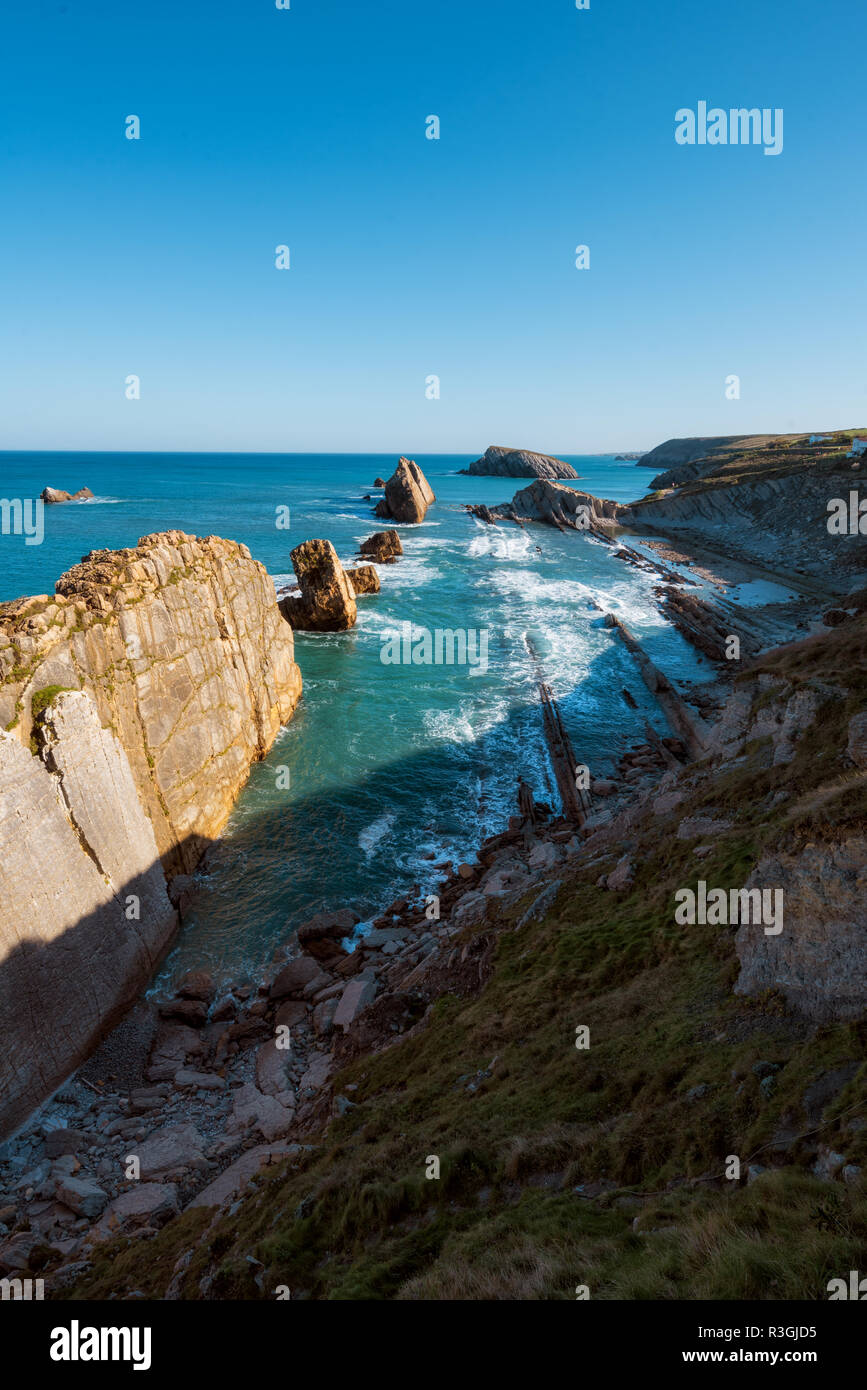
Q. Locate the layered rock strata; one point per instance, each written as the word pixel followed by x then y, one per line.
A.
pixel 500 462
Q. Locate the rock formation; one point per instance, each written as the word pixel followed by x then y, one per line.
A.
pixel 499 462
pixel 379 482
pixel 408 494
pixel 56 494
pixel 382 546
pixel 326 602
pixel 557 505
pixel 133 702
pixel 364 579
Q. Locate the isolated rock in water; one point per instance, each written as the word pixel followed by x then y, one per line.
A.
pixel 327 599
pixel 408 494
pixel 364 579
pixel 500 462
pixel 56 494
pixel 857 745
pixel 383 546
pixel 379 482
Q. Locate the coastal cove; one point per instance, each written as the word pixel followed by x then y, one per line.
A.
pixel 392 768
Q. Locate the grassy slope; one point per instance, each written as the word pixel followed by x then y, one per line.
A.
pixel 358 1219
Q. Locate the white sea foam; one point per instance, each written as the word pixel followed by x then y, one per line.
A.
pixel 500 545
pixel 373 834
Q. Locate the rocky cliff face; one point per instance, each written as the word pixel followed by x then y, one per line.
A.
pixel 183 651
pixel 777 518
pixel 84 913
pixel 133 702
pixel 499 462
pixel 408 494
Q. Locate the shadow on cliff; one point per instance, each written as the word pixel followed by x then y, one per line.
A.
pixel 59 997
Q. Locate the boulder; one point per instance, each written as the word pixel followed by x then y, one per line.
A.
pixel 326 602
pixel 408 494
pixel 254 1112
pixel 383 546
pixel 189 1080
pixel 81 1195
pixel 292 979
pixel 379 482
pixel 197 984
pixel 356 996
pixel 322 935
pixel 272 1068
pixel 146 1204
pixel 68 1141
pixel 364 579
pixel 171 1153
pixel 191 1011
pixel 316 1076
pixel 323 1017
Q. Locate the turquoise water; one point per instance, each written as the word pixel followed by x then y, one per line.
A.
pixel 392 767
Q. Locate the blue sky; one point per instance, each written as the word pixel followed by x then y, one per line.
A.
pixel 412 257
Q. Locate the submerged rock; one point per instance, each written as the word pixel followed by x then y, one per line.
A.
pixel 408 494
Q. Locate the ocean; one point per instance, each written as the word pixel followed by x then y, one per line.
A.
pixel 392 767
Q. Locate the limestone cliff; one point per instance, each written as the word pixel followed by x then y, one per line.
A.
pixel 132 704
pixel 182 648
pixel 84 913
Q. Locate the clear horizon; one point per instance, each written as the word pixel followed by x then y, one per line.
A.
pixel 411 257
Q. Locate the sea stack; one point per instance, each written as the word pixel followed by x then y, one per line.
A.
pixel 500 462
pixel 408 494
pixel 326 602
